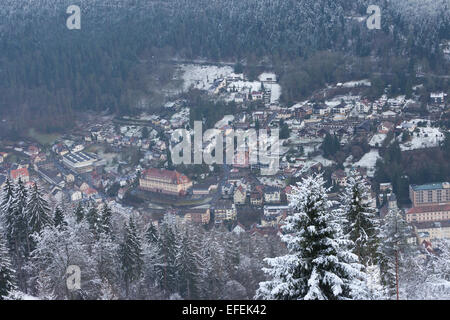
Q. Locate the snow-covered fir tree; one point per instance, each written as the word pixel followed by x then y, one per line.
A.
pixel 319 265
pixel 58 218
pixel 189 265
pixel 106 260
pixel 37 211
pixel 7 273
pixel 79 212
pixel 152 266
pixel 131 256
pixel 93 218
pixel 214 274
pixel 105 220
pixel 6 200
pixel 232 255
pixel 394 251
pixel 18 235
pixel 152 233
pixel 169 246
pixel 361 223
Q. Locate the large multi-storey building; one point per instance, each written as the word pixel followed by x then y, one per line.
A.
pixel 80 162
pixel 432 231
pixel 429 213
pixel 431 209
pixel 165 181
pixel 198 216
pixel 430 194
pixel 224 210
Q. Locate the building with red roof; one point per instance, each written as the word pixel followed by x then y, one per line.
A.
pixel 428 213
pixel 21 173
pixel 165 181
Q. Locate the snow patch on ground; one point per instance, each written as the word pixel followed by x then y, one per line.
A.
pixel 267 76
pixel 275 92
pixel 368 161
pixel 426 138
pixel 323 161
pixel 360 83
pixel 202 76
pixel 225 120
pixel 377 139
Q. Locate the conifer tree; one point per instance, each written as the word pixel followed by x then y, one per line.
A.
pixel 37 211
pixel 79 213
pixel 7 275
pixel 17 233
pixel 105 220
pixel 394 250
pixel 169 247
pixel 17 224
pixel 152 268
pixel 318 266
pixel 6 200
pixel 213 270
pixel 360 222
pixel 130 253
pixel 7 216
pixel 189 265
pixel 152 233
pixel 232 256
pixel 58 218
pixel 93 219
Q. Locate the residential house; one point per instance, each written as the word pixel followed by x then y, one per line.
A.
pixel 198 216
pixel 339 178
pixel 76 196
pixel 200 189
pixel 272 194
pixel 256 198
pixel 438 97
pixel 225 210
pixel 240 195
pixel 432 230
pixel 385 127
pixel 386 187
pixel 227 191
pixel 363 128
pixel 21 173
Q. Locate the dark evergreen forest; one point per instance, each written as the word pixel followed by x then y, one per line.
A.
pixel 49 73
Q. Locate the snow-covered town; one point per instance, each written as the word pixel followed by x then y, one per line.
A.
pixel 362 177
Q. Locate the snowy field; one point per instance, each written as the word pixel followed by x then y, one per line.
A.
pixel 323 161
pixel 354 84
pixel 427 138
pixel 275 92
pixel 203 76
pixel 368 161
pixel 225 120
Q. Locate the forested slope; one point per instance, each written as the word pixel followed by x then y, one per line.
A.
pixel 47 71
